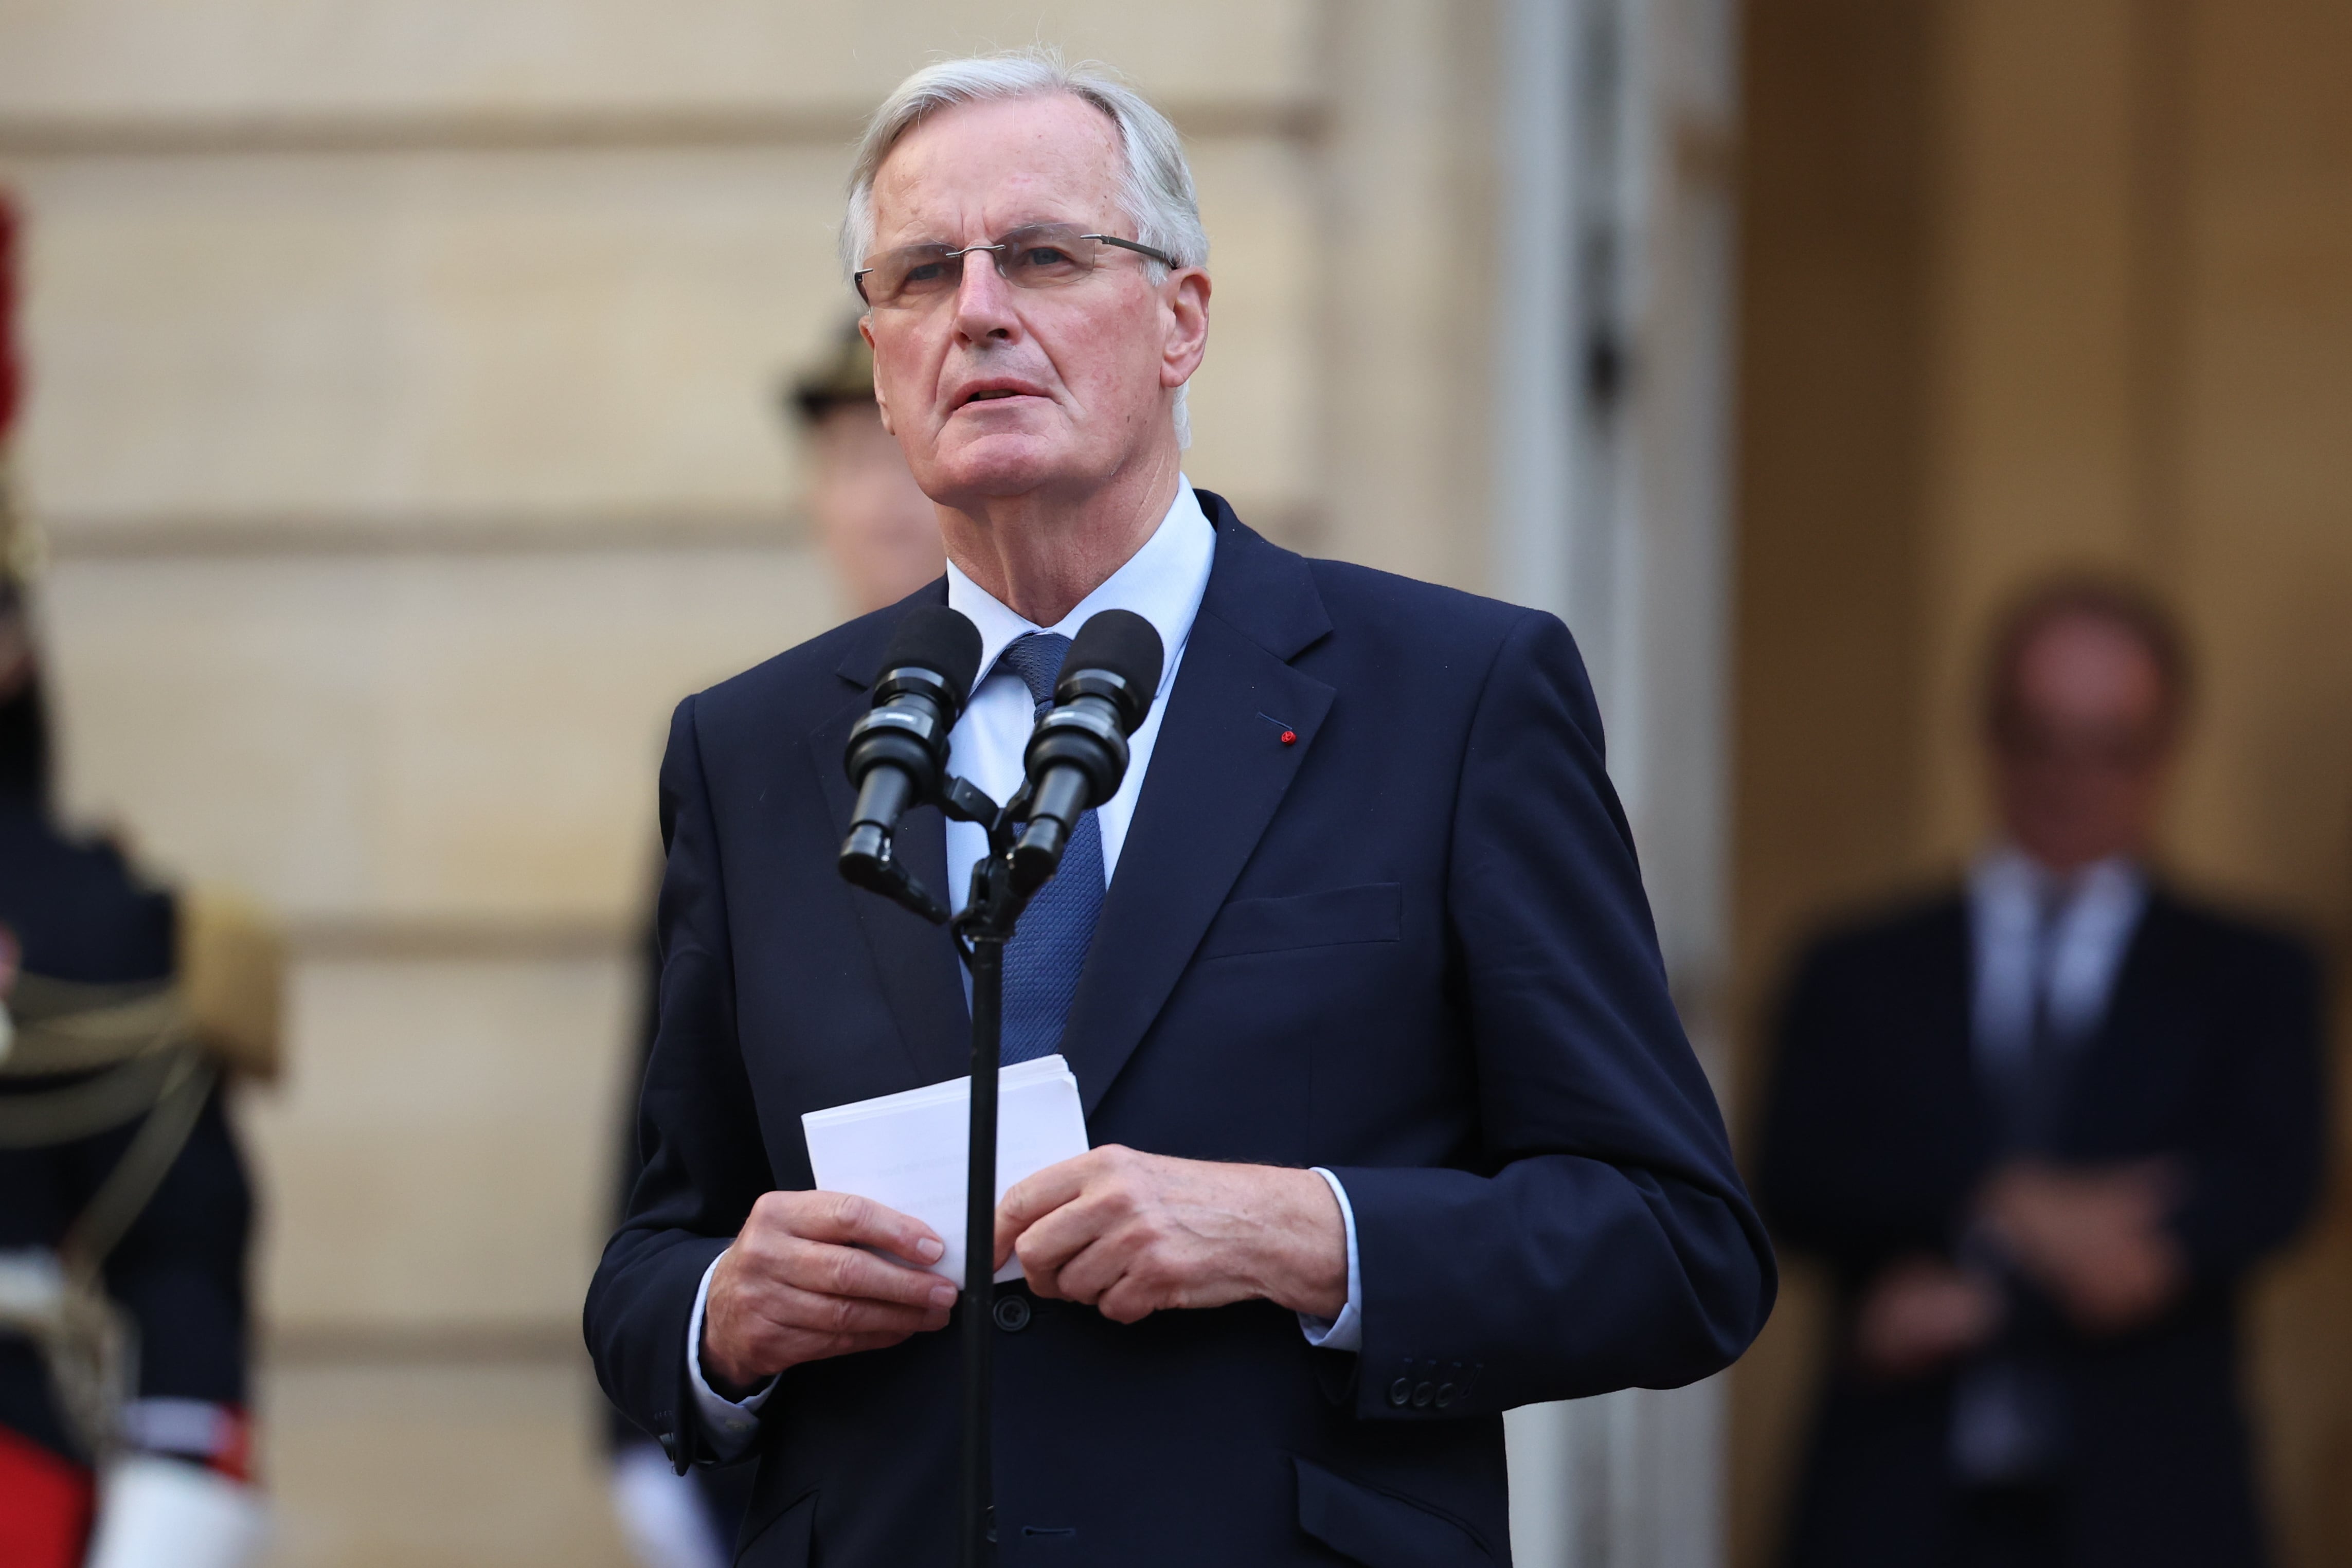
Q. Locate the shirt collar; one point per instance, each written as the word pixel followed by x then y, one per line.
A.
pixel 2007 875
pixel 1162 583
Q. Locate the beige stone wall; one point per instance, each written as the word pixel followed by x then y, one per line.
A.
pixel 2035 283
pixel 401 423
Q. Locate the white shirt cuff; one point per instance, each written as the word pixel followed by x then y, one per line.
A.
pixel 1345 1331
pixel 730 1425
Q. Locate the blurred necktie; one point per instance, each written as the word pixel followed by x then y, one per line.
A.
pixel 2010 1424
pixel 1049 946
pixel 2048 1052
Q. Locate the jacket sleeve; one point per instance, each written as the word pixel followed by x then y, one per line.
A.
pixel 2254 1164
pixel 1605 1240
pixel 180 1270
pixel 704 1165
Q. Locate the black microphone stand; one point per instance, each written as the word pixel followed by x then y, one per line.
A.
pixel 998 896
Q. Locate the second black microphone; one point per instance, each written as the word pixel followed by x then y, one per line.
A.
pixel 1078 754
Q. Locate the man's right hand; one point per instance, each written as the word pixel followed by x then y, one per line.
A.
pixel 1921 1313
pixel 797 1286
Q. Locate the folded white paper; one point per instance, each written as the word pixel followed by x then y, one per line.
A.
pixel 909 1150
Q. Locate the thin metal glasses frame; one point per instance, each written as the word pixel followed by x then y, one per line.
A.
pixel 1000 246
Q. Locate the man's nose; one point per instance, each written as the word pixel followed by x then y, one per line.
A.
pixel 984 302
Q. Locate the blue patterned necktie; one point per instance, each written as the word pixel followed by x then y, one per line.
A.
pixel 1049 945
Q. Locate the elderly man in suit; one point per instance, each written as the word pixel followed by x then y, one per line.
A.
pixel 2041 1126
pixel 1394 1125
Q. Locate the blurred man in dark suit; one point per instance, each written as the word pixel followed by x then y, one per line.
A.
pixel 2041 1126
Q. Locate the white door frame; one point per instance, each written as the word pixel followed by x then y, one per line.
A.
pixel 1612 464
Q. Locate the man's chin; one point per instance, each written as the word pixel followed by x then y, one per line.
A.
pixel 1007 463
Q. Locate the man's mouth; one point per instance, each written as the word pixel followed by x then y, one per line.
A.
pixel 995 394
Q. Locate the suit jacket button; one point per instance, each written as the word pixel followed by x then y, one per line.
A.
pixel 1422 1394
pixel 1444 1394
pixel 1012 1314
pixel 1399 1392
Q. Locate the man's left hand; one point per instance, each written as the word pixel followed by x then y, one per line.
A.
pixel 2095 1239
pixel 1131 1234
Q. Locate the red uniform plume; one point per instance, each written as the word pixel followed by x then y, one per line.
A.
pixel 10 372
pixel 12 379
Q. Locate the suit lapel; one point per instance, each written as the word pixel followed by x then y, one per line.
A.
pixel 1947 1013
pixel 1218 772
pixel 922 976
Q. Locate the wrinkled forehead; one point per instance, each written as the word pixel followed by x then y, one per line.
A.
pixel 968 172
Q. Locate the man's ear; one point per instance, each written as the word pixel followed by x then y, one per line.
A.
pixel 1184 306
pixel 865 330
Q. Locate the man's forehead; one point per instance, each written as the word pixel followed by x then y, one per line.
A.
pixel 1047 157
pixel 2087 662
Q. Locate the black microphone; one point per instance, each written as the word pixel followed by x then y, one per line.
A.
pixel 898 754
pixel 1078 754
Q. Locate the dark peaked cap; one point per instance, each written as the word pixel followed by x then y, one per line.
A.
pixel 843 376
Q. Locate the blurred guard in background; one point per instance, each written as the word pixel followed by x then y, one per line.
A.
pixel 2042 1126
pixel 881 536
pixel 124 1210
pixel 880 533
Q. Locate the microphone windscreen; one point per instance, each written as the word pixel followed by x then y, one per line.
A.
pixel 943 641
pixel 1121 642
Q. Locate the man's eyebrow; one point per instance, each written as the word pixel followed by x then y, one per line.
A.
pixel 996 233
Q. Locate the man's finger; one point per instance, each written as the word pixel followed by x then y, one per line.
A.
pixel 1127 1300
pixel 1078 1230
pixel 1039 1194
pixel 822 1268
pixel 1093 1270
pixel 845 1218
pixel 839 1315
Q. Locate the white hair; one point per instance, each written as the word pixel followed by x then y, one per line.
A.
pixel 1155 191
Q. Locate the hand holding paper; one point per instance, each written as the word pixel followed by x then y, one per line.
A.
pixel 908 1151
pixel 1131 1233
pixel 1127 1232
pixel 876 1253
pixel 812 1275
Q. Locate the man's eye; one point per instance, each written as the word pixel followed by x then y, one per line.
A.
pixel 1044 255
pixel 922 273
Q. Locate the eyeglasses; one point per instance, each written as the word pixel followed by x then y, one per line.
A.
pixel 1038 255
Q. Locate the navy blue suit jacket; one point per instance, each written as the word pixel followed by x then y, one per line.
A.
pixel 1410 947
pixel 1878 1135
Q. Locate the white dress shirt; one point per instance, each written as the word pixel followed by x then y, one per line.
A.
pixel 2096 911
pixel 1164 583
